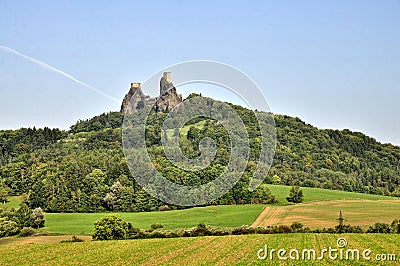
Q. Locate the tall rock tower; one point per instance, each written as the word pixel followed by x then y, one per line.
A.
pixel 165 83
pixel 168 98
pixel 129 104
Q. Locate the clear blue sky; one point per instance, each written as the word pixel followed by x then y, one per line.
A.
pixel 334 64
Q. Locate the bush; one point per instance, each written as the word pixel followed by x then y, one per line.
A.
pixel 349 229
pixel 156 226
pixel 296 226
pixel 26 231
pixel 111 227
pixel 295 195
pixel 382 228
pixel 132 231
pixel 8 228
pixel 284 229
pixel 201 230
pixel 73 239
pixel 396 226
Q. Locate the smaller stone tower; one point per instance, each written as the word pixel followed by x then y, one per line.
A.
pixel 165 83
pixel 167 76
pixel 135 85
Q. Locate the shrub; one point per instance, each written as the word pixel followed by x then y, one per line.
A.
pixel 201 230
pixel 73 239
pixel 8 228
pixel 132 231
pixel 296 226
pixel 284 229
pixel 396 226
pixel 26 231
pixel 156 226
pixel 382 228
pixel 110 227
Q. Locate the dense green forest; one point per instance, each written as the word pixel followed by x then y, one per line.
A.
pixel 85 170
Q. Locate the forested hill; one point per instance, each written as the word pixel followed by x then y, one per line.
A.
pixel 84 169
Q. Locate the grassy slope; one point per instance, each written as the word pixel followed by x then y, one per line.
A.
pixel 319 194
pixel 184 130
pixel 13 202
pixel 228 250
pixel 82 223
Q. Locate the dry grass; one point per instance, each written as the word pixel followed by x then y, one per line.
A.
pixel 325 213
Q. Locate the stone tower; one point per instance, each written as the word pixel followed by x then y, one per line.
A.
pixel 135 85
pixel 165 83
pixel 167 76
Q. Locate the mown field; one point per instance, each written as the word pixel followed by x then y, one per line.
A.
pixel 325 214
pixel 321 208
pixel 229 216
pixel 227 250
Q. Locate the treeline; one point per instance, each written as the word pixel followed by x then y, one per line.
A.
pixel 14 143
pixel 85 170
pixel 333 159
pixel 106 120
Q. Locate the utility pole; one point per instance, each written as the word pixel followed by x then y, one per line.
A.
pixel 341 222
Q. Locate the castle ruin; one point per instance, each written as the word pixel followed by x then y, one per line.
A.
pixel 135 99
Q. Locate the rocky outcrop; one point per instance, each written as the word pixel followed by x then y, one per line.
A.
pixel 168 100
pixel 135 99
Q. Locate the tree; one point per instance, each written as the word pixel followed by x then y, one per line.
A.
pixel 263 195
pixel 295 195
pixel 38 217
pixel 24 215
pixel 4 194
pixel 111 227
pixel 111 199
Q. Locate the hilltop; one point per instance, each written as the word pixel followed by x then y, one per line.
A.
pixel 84 169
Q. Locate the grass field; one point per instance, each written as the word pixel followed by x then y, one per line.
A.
pixel 184 130
pixel 319 194
pixel 82 223
pixel 228 250
pixel 237 215
pixel 13 202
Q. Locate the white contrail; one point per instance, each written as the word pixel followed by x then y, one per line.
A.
pixel 48 67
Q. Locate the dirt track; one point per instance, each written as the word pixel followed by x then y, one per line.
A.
pixel 39 239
